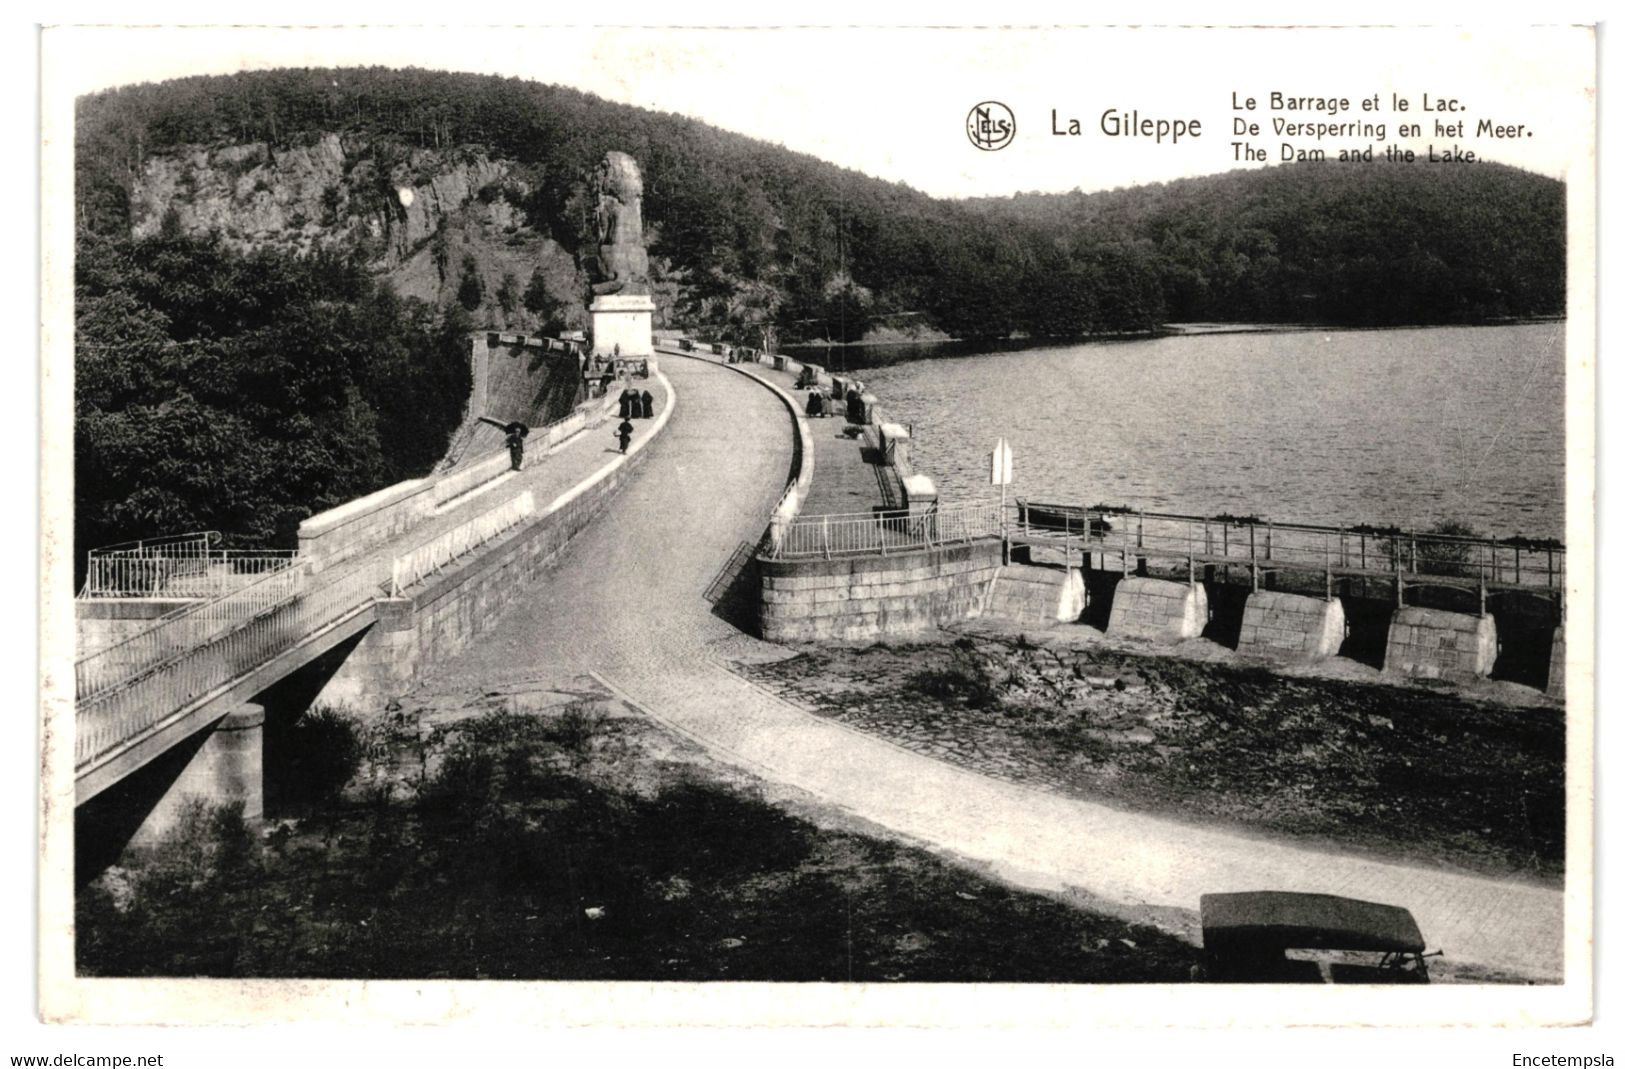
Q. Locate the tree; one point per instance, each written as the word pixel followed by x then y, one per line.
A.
pixel 471 290
pixel 508 293
pixel 242 393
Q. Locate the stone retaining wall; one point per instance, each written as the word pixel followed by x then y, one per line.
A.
pixel 866 597
pixel 1434 644
pixel 103 622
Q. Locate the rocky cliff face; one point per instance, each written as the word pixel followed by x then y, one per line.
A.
pixel 425 219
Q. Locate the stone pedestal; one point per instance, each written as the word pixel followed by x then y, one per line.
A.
pixel 625 320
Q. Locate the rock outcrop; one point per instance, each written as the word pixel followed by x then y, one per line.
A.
pixel 425 219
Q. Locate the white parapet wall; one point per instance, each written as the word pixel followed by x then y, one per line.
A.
pixel 1157 610
pixel 1434 644
pixel 1291 626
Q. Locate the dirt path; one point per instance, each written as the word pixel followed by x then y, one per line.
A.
pixel 627 602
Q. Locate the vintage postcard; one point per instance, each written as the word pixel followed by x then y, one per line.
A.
pixel 739 526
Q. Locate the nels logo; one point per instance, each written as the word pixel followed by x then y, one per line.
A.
pixel 990 126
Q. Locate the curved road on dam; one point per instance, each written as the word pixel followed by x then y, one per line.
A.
pixel 627 602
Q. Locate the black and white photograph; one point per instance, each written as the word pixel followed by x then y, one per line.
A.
pixel 852 525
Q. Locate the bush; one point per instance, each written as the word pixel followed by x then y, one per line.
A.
pixel 960 682
pixel 574 729
pixel 325 750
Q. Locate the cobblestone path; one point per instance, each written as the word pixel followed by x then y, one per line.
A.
pixel 627 603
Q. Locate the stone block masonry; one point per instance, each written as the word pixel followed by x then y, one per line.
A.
pixel 103 622
pixel 1036 596
pixel 1291 626
pixel 1557 665
pixel 1157 610
pixel 1434 644
pixel 867 597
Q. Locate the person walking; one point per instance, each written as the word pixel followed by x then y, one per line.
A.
pixel 624 433
pixel 515 438
pixel 648 405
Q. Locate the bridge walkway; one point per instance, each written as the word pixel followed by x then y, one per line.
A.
pixel 119 733
pixel 628 605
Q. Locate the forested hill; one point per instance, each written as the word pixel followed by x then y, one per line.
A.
pixel 746 234
pixel 1334 243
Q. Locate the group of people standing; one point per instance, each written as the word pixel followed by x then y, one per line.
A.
pixel 634 405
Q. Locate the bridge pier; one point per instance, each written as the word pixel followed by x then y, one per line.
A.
pixel 1293 626
pixel 1435 644
pixel 1158 610
pixel 228 767
pixel 1557 665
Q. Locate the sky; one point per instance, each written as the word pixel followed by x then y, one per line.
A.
pixel 893 102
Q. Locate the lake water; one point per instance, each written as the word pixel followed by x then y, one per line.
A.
pixel 1405 427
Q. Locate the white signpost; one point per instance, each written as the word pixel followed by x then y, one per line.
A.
pixel 1001 466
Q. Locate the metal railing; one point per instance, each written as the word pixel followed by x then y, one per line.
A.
pixel 143 567
pixel 1415 558
pixel 129 689
pixel 109 718
pixel 1123 538
pixel 178 566
pixel 190 626
pixel 880 533
pixel 437 553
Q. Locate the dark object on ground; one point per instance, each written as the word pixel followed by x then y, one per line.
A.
pixel 1062 518
pixel 1246 936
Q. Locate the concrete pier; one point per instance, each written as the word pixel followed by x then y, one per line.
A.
pixel 1157 610
pixel 1434 644
pixel 1557 665
pixel 1291 626
pixel 1027 594
pixel 228 766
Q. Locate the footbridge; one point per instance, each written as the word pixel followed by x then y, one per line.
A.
pixel 178 636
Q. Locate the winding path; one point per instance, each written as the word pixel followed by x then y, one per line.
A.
pixel 626 603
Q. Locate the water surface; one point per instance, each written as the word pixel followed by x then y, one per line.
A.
pixel 1409 427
